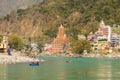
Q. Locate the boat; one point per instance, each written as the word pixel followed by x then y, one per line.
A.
pixel 68 61
pixel 34 64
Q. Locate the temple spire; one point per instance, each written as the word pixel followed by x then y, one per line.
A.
pixel 102 24
pixel 60 41
pixel 61 31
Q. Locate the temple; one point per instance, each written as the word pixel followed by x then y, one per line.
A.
pixel 60 43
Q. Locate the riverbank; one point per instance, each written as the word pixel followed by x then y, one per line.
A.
pixel 100 55
pixel 59 55
pixel 96 55
pixel 16 58
pixel 5 59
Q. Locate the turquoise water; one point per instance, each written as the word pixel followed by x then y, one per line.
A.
pixel 57 69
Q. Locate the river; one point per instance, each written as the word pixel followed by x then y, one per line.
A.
pixel 55 68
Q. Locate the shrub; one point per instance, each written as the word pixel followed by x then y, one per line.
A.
pixel 1 38
pixel 79 46
pixel 15 42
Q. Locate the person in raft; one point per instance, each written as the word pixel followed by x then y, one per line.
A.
pixel 68 61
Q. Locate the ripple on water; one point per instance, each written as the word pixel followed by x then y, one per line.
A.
pixel 57 69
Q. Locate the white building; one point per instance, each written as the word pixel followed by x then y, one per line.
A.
pixel 106 30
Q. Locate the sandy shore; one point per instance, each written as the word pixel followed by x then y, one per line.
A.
pixel 13 59
pixel 16 58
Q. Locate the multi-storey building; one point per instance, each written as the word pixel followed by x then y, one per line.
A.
pixel 114 40
pixel 104 30
pixel 101 38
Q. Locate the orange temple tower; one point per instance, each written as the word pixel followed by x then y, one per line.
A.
pixel 60 43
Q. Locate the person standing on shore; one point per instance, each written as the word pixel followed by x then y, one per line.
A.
pixel 8 51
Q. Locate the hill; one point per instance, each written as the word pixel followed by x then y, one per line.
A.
pixel 78 16
pixel 6 6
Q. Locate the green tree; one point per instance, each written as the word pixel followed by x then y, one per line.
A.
pixel 1 38
pixel 73 32
pixel 79 46
pixel 50 32
pixel 15 42
pixel 20 12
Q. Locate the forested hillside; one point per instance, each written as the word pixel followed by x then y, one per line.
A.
pixel 6 6
pixel 78 16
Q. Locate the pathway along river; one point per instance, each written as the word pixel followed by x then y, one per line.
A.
pixel 55 68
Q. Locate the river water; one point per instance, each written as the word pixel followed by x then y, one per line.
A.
pixel 55 68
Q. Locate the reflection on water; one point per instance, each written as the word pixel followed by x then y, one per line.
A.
pixel 58 69
pixel 3 72
pixel 104 71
